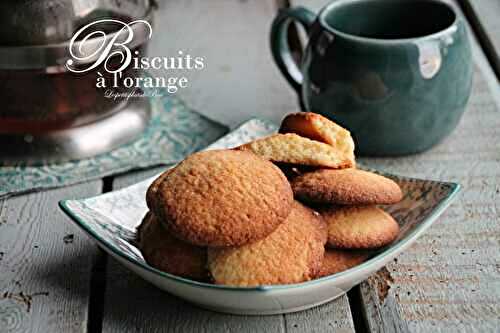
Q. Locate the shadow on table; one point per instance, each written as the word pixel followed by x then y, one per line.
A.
pixel 133 304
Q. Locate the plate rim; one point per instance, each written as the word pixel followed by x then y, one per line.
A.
pixel 410 237
pixel 433 215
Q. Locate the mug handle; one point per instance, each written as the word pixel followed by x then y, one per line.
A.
pixel 279 42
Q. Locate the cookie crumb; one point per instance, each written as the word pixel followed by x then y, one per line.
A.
pixel 68 239
pixel 382 281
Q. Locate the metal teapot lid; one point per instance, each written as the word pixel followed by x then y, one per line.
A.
pixel 35 34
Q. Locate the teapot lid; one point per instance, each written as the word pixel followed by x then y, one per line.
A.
pixel 35 34
pixel 43 22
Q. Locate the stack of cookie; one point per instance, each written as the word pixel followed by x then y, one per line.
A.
pixel 262 213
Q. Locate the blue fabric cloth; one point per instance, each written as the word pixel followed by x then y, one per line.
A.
pixel 174 132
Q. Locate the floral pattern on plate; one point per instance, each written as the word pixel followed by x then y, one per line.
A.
pixel 112 219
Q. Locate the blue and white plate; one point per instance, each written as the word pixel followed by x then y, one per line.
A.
pixel 111 220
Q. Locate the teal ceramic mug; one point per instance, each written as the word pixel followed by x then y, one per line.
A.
pixel 397 74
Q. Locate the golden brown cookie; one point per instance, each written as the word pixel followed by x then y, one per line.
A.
pixel 359 227
pixel 336 261
pixel 346 186
pixel 166 253
pixel 291 254
pixel 294 149
pixel 316 127
pixel 221 198
pixel 153 188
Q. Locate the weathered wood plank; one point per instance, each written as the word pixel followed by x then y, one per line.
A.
pixel 331 317
pixel 448 281
pixel 240 80
pixel 132 304
pixel 45 263
pixel 485 17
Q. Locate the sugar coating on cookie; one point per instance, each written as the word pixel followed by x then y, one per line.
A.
pixel 291 254
pixel 316 127
pixel 166 253
pixel 346 186
pixel 336 261
pixel 294 149
pixel 359 227
pixel 221 198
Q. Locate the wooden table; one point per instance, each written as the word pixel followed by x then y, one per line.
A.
pixel 54 279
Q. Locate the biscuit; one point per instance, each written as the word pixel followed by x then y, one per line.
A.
pixel 294 149
pixel 336 261
pixel 291 254
pixel 166 253
pixel 316 127
pixel 359 227
pixel 221 198
pixel 154 187
pixel 346 186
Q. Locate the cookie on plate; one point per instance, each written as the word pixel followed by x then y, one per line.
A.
pixel 359 227
pixel 221 198
pixel 295 149
pixel 166 253
pixel 346 186
pixel 316 127
pixel 291 254
pixel 336 261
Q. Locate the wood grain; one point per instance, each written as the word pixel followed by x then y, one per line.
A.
pixel 485 17
pixel 45 263
pixel 450 279
pixel 331 317
pixel 133 304
pixel 240 80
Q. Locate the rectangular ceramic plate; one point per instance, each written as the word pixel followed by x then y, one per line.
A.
pixel 111 220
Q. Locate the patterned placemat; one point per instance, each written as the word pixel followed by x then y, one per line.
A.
pixel 173 132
